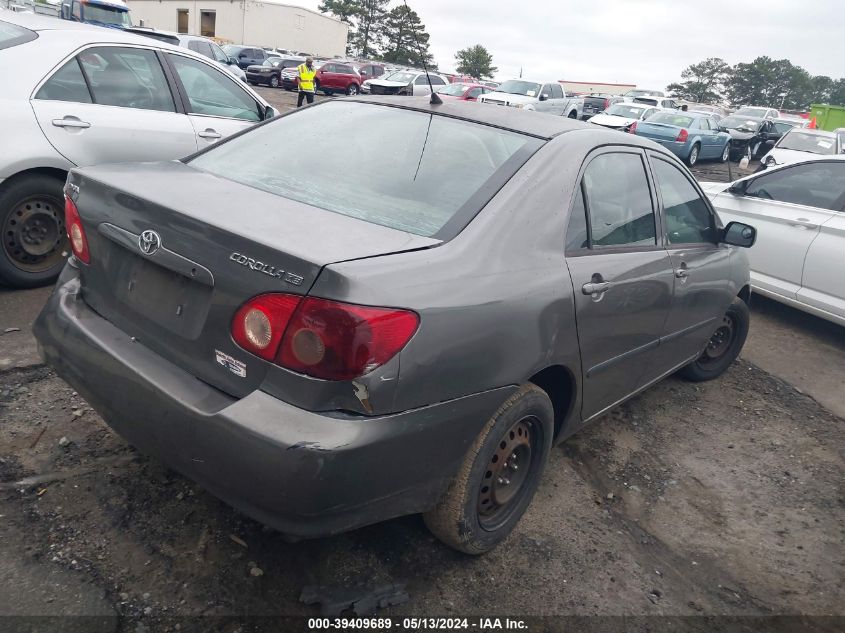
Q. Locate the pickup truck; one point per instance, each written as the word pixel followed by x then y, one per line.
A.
pixel 541 96
pixel 597 103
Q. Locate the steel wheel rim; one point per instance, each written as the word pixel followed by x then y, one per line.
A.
pixel 33 234
pixel 720 342
pixel 507 473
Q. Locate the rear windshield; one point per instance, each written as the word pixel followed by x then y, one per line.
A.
pixel 671 119
pixel 813 143
pixel 621 109
pixel 12 35
pixel 408 170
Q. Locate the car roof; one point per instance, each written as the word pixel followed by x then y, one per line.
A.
pixel 537 124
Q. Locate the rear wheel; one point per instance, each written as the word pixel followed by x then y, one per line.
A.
pixel 499 475
pixel 33 231
pixel 692 159
pixel 724 345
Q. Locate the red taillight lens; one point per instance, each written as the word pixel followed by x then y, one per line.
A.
pixel 259 324
pixel 633 128
pixel 683 135
pixel 75 232
pixel 341 341
pixel 606 104
pixel 322 338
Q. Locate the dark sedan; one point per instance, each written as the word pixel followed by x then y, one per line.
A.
pixel 325 349
pixel 270 72
pixel 751 137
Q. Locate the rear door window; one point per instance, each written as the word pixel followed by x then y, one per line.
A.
pixel 127 78
pixel 618 201
pixel 66 84
pixel 12 35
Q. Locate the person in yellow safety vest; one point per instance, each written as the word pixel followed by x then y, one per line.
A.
pixel 306 73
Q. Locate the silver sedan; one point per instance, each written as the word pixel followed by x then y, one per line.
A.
pixel 76 95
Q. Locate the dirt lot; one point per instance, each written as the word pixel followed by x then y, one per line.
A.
pixel 717 499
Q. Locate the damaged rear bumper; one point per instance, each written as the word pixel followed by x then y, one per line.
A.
pixel 306 474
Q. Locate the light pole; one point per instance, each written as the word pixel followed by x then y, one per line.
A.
pixel 782 96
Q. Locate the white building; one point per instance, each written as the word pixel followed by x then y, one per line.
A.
pixel 253 22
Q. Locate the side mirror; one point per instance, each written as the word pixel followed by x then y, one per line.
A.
pixel 739 234
pixel 269 113
pixel 543 97
pixel 232 61
pixel 738 188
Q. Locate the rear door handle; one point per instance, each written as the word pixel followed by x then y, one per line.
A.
pixel 595 287
pixel 803 223
pixel 209 133
pixel 74 123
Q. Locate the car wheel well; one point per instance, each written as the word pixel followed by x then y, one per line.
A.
pixel 61 174
pixel 745 295
pixel 559 384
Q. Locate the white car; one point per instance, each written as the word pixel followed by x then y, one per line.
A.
pixel 799 213
pixel 523 93
pixel 800 144
pixel 406 82
pixel 74 95
pixel 761 112
pixel 667 103
pixel 621 116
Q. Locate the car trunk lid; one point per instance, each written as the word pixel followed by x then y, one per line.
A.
pixel 658 131
pixel 212 244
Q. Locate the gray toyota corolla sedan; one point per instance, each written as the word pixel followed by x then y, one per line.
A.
pixel 376 307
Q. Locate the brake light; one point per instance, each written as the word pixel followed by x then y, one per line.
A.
pixel 76 232
pixel 633 128
pixel 322 338
pixel 606 104
pixel 682 137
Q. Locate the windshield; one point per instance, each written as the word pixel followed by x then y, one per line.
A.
pixel 738 123
pixel 106 15
pixel 430 168
pixel 519 87
pixel 669 118
pixel 758 112
pixel 622 109
pixel 402 77
pixel 804 142
pixel 453 90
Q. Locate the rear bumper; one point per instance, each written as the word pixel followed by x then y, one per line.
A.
pixel 306 474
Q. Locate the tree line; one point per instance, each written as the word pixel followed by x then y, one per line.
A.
pixel 397 36
pixel 765 81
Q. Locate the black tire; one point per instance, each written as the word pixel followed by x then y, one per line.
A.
pixel 469 517
pixel 572 115
pixel 726 153
pixel 33 230
pixel 274 82
pixel 251 82
pixel 692 159
pixel 352 89
pixel 724 345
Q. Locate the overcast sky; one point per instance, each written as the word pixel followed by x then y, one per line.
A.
pixel 643 42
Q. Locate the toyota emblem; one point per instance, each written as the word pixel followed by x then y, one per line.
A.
pixel 149 242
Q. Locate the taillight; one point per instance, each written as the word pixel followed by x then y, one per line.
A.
pixel 75 232
pixel 682 137
pixel 633 128
pixel 606 104
pixel 322 338
pixel 259 324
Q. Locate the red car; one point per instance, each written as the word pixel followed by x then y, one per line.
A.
pixel 463 91
pixel 338 77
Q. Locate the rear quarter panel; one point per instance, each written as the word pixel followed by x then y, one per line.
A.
pixel 495 303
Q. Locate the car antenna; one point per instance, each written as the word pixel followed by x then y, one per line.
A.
pixel 435 100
